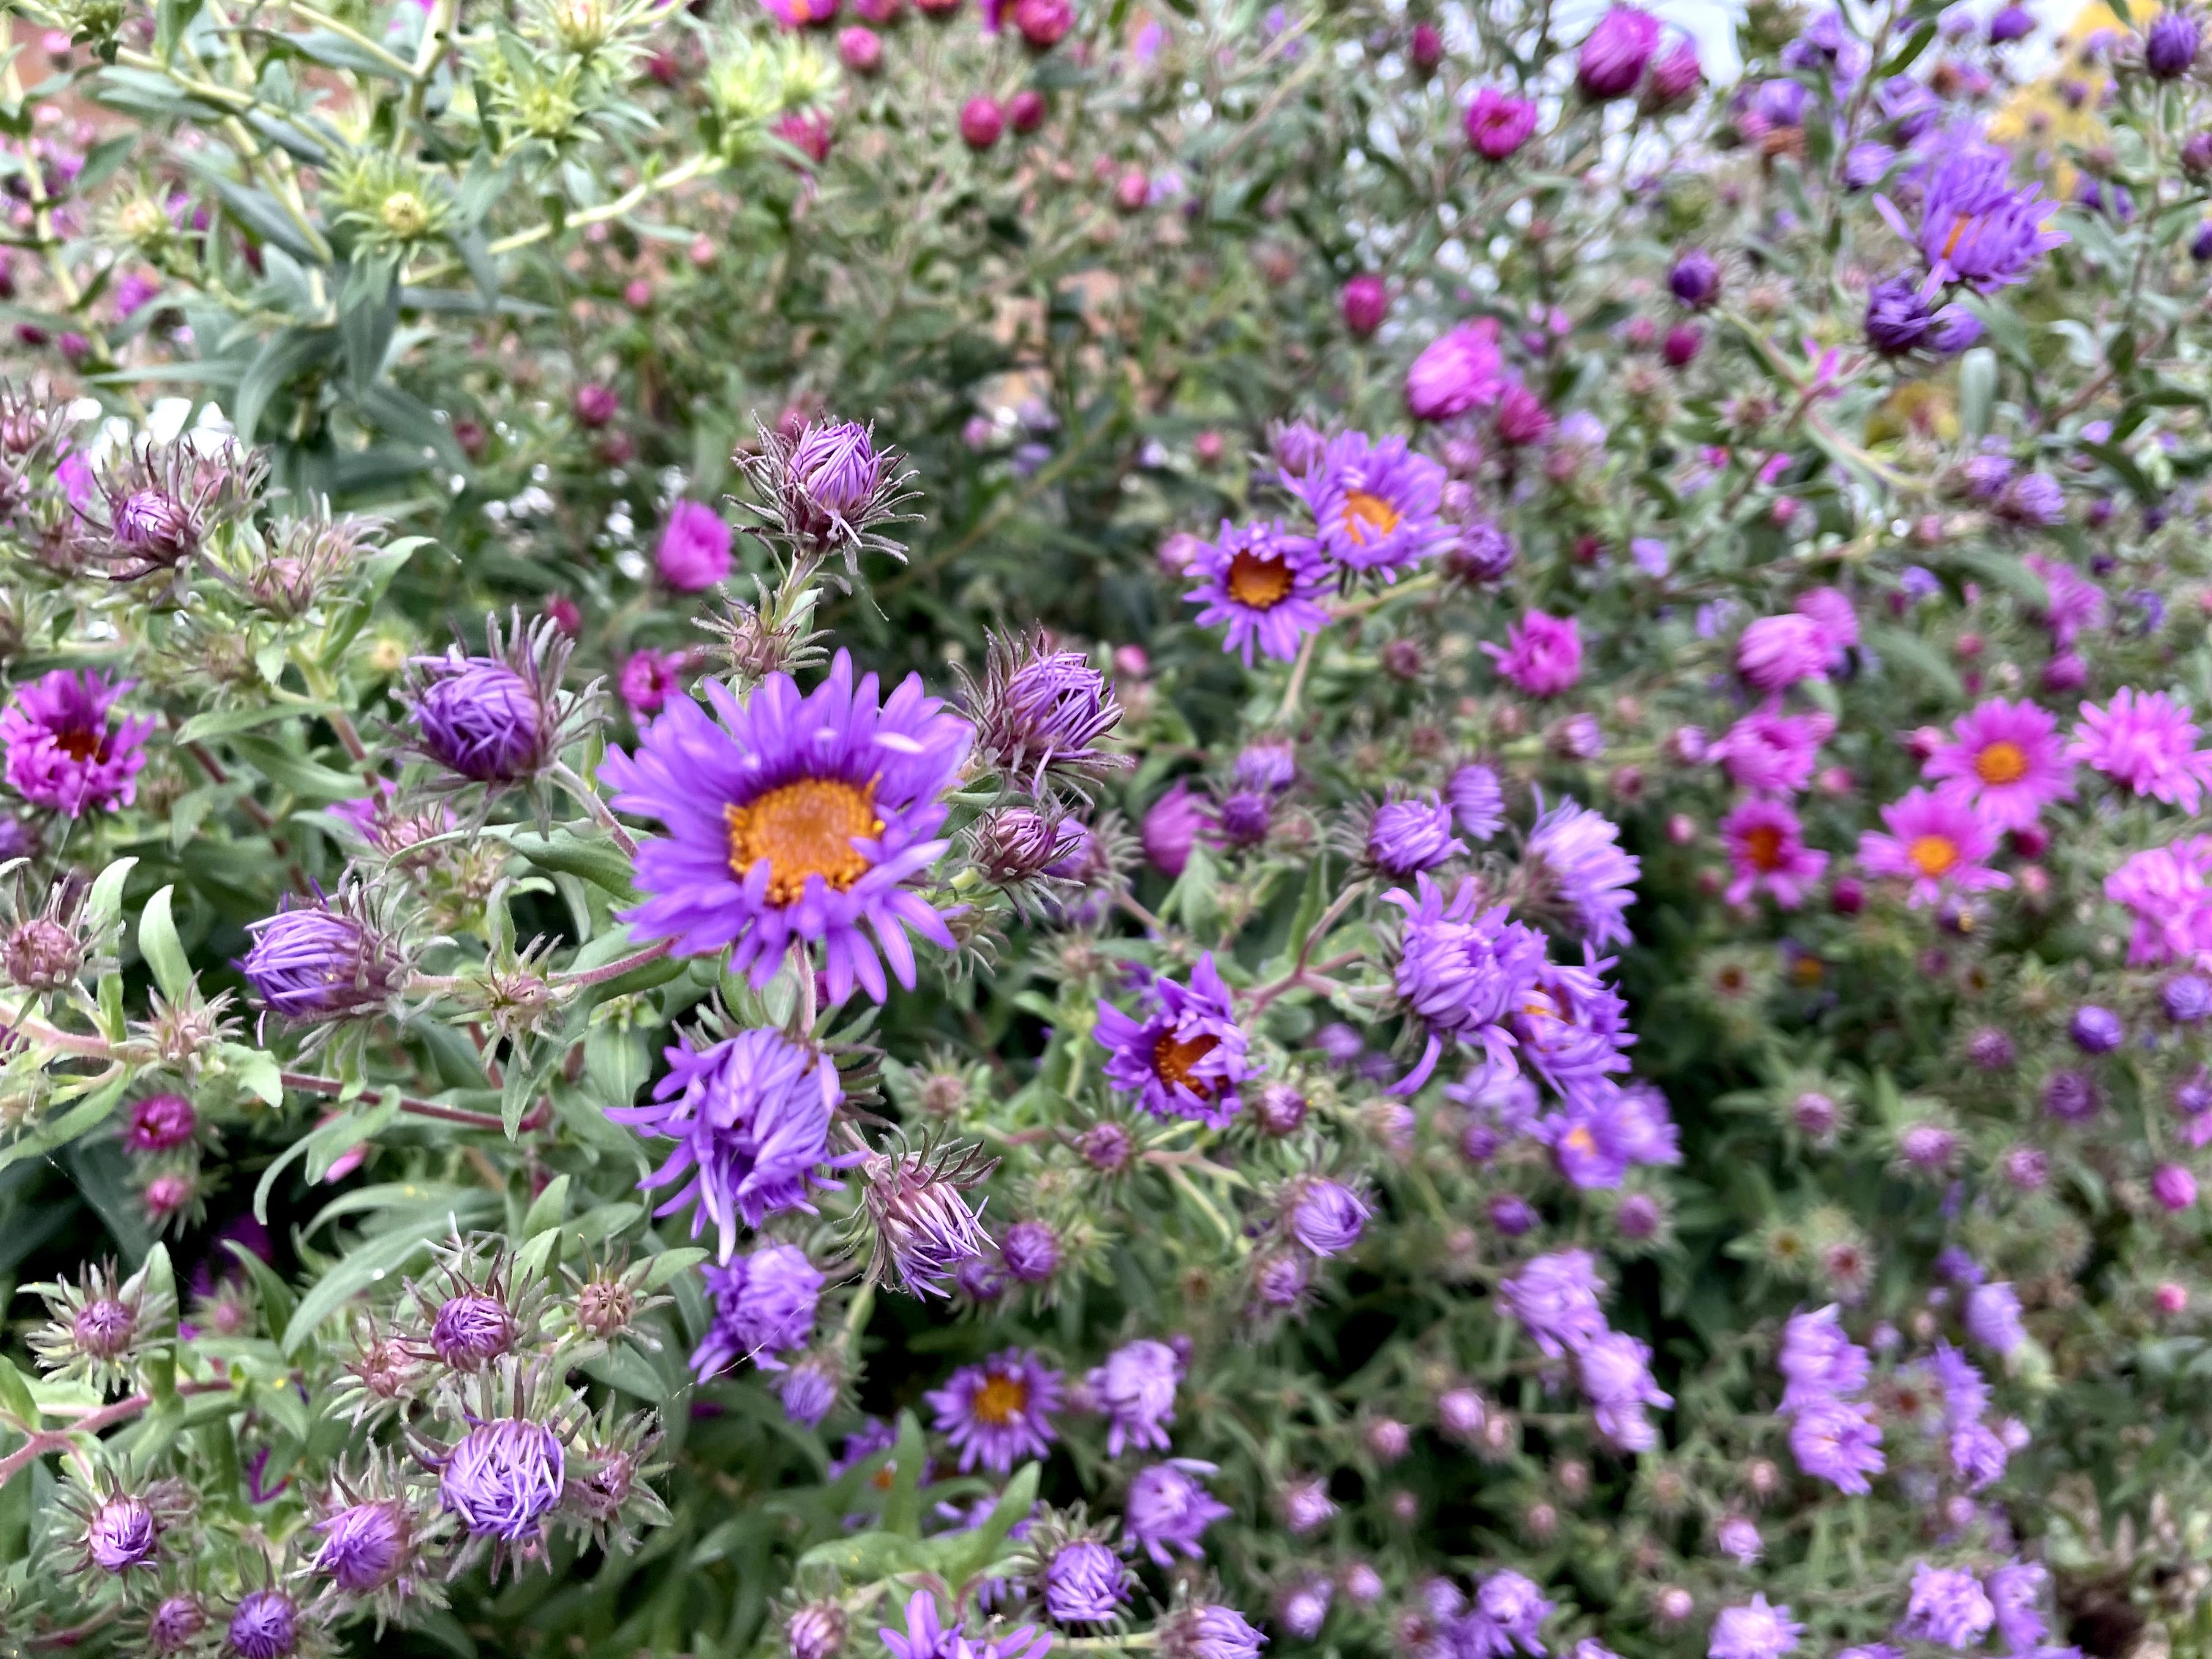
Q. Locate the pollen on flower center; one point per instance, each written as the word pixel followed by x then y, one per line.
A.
pixel 79 743
pixel 1260 584
pixel 804 829
pixel 1364 513
pixel 1763 846
pixel 1580 1139
pixel 1932 855
pixel 1173 1059
pixel 1001 1399
pixel 2002 762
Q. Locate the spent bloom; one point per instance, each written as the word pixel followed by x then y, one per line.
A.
pixel 65 751
pixel 795 817
pixel 1001 1411
pixel 1188 1056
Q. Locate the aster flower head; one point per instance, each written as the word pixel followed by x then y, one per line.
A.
pixel 693 553
pixel 1554 1299
pixel 1084 1583
pixel 1542 654
pixel 649 678
pixel 828 489
pixel 51 946
pixel 1974 225
pixel 1499 122
pixel 1573 859
pixel 1572 1027
pixel 1040 712
pixel 2006 759
pixel 98 1329
pixel 1458 371
pixel 923 1226
pixel 1208 1631
pixel 1836 1441
pixel 116 1528
pixel 500 718
pixel 1001 1411
pixel 2145 740
pixel 751 1119
pixel 2169 891
pixel 1817 1359
pixel 372 1544
pixel 1766 850
pixel 1405 837
pixel 66 752
pixel 1755 1630
pixel 1771 753
pixel 1948 1607
pixel 1478 803
pixel 1462 975
pixel 161 502
pixel 503 1478
pixel 795 817
pixel 1169 1509
pixel 1135 1387
pixel 1188 1057
pixel 1615 1371
pixel 764 1304
pixel 1377 508
pixel 1264 584
pixel 1776 653
pixel 2015 1591
pixel 1936 841
pixel 266 1624
pixel 1324 1216
pixel 1614 53
pixel 1508 1616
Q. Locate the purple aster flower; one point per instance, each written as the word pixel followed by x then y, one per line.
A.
pixel 1695 279
pixel 1305 1505
pixel 830 481
pixel 1267 764
pixel 2096 1031
pixel 1030 1250
pixel 321 961
pixel 1462 975
pixel 1554 1298
pixel 1509 1612
pixel 693 553
pixel 503 1478
pixel 1039 711
pixel 999 1412
pixel 479 717
pixel 1738 1539
pixel 121 1535
pixel 1978 1455
pixel 175 1625
pixel 1974 225
pixel 1482 552
pixel 1408 836
pixel 1754 1632
pixel 363 1546
pixel 1167 1509
pixel 1265 584
pixel 1478 804
pixel 1865 164
pixel 925 1636
pixel 266 1626
pixel 764 1304
pixel 750 1117
pixel 1136 1390
pixel 2014 1591
pixel 1244 818
pixel 1615 1369
pixel 1304 1607
pixel 1085 1583
pixel 1188 1056
pixel 1377 505
pixel 2170 45
pixel 1209 1632
pixel 1836 1441
pixel 470 1331
pixel 808 1389
pixel 1458 371
pixel 63 751
pixel 1948 1607
pixel 2011 23
pixel 160 1123
pixel 1577 854
pixel 1936 841
pixel 1817 1360
pixel 794 818
pixel 816 1630
pixel 1614 53
pixel 1325 1216
pixel 924 1228
pixel 1572 1027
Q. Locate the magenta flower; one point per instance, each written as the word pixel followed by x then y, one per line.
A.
pixel 2072 601
pixel 1831 613
pixel 1937 843
pixel 649 678
pixel 1771 753
pixel 1266 584
pixel 1462 975
pixel 1376 506
pixel 1456 372
pixel 1542 654
pixel 1974 225
pixel 2005 759
pixel 999 1412
pixel 1766 848
pixel 64 752
pixel 1614 53
pixel 1173 826
pixel 2144 739
pixel 750 1117
pixel 694 550
pixel 1188 1056
pixel 794 818
pixel 1499 123
pixel 2169 890
pixel 1774 653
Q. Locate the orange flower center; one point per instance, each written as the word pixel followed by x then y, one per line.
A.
pixel 1364 513
pixel 1763 846
pixel 1259 583
pixel 804 829
pixel 1001 1399
pixel 1580 1141
pixel 1959 225
pixel 1172 1060
pixel 1932 856
pixel 2002 762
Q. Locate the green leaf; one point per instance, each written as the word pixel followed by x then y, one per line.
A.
pixel 164 952
pixel 171 19
pixel 15 1394
pixel 278 1302
pixel 601 863
pixel 1978 392
pixel 1895 645
pixel 548 1208
pixel 307 779
pixel 625 1369
pixel 83 1118
pixel 103 906
pixel 982 1546
pixel 282 356
pixel 902 1508
pixel 223 722
pixel 255 1071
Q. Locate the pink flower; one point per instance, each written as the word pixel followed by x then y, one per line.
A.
pixel 2074 601
pixel 1937 842
pixel 1458 372
pixel 1521 416
pixel 1777 651
pixel 2006 762
pixel 1766 848
pixel 800 14
pixel 1498 123
pixel 2147 741
pixel 648 679
pixel 2169 890
pixel 694 553
pixel 1177 819
pixel 1543 655
pixel 1615 52
pixel 1772 753
pixel 1831 613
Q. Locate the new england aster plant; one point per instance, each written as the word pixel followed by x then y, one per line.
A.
pixel 1445 946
